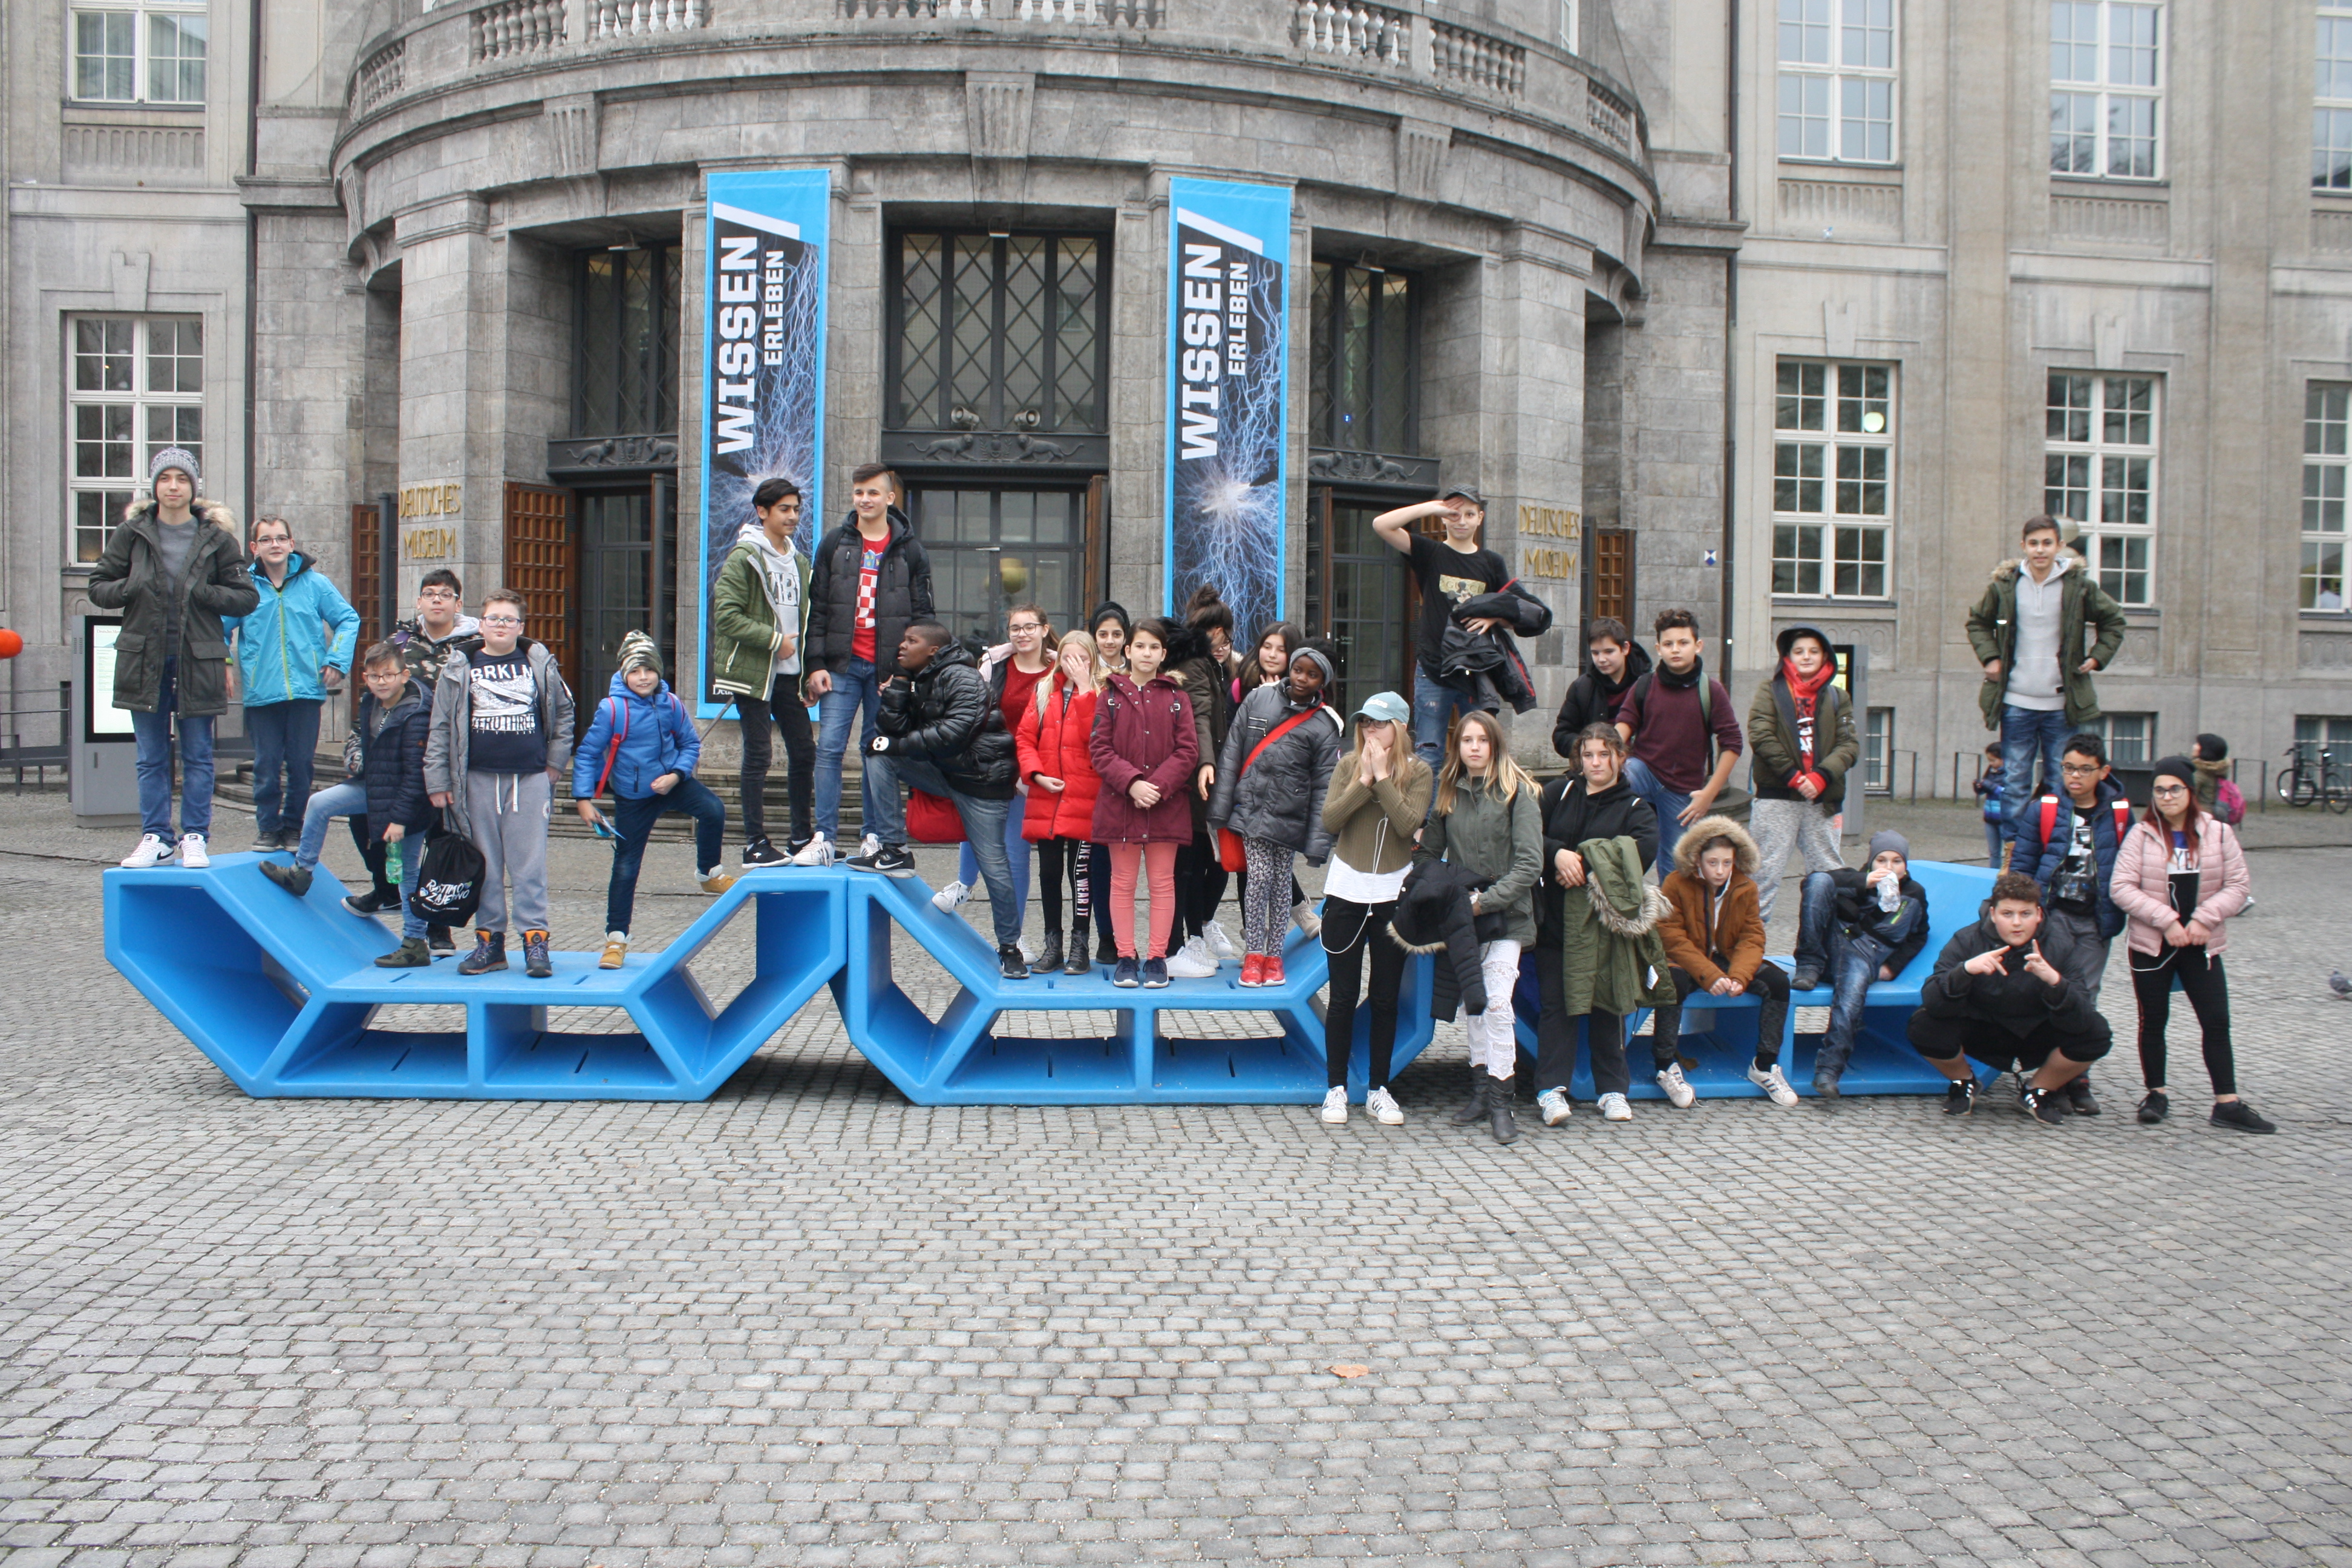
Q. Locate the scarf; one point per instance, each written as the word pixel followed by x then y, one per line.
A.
pixel 1805 693
pixel 1667 677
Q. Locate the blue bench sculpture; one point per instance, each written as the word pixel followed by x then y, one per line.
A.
pixel 281 995
pixel 1718 1035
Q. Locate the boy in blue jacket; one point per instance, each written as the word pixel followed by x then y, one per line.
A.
pixel 389 723
pixel 291 651
pixel 644 744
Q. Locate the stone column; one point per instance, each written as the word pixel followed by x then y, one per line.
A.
pixel 452 375
pixel 1138 421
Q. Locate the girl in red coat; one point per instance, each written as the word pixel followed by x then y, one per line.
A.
pixel 1145 750
pixel 1054 744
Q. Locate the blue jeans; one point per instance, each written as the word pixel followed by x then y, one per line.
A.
pixel 1993 842
pixel 635 818
pixel 855 691
pixel 1851 961
pixel 2028 736
pixel 154 734
pixel 1434 705
pixel 349 799
pixel 1016 852
pixel 284 735
pixel 1666 803
pixel 984 830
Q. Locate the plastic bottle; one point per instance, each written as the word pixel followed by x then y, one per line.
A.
pixel 391 863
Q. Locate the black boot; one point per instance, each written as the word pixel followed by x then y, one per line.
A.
pixel 1107 948
pixel 1499 1112
pixel 1049 956
pixel 1480 1088
pixel 1077 963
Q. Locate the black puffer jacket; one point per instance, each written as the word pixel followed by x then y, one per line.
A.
pixel 1432 915
pixel 1571 815
pixel 2010 998
pixel 1592 699
pixel 1280 796
pixel 392 758
pixel 902 594
pixel 941 715
pixel 130 577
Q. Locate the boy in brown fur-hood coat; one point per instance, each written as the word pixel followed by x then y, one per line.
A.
pixel 1714 938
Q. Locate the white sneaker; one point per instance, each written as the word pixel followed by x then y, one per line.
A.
pixel 1334 1107
pixel 1679 1092
pixel 1191 961
pixel 1303 915
pixel 948 900
pixel 818 851
pixel 153 850
pixel 1614 1109
pixel 1221 947
pixel 191 850
pixel 868 847
pixel 1553 1103
pixel 1773 1084
pixel 1384 1108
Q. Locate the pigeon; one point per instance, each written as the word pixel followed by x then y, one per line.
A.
pixel 2341 987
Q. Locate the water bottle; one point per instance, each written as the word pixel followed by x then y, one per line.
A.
pixel 391 863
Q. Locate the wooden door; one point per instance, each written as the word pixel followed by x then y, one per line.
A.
pixel 543 567
pixel 1612 573
pixel 367 573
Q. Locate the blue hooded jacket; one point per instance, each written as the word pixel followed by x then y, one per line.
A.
pixel 283 643
pixel 644 737
pixel 2041 859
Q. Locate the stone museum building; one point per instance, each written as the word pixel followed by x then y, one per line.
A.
pixel 1784 310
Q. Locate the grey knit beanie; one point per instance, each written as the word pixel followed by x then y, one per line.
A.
pixel 1887 838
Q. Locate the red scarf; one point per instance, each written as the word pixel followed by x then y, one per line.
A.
pixel 1805 693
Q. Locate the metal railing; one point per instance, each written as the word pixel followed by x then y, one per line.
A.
pixel 19 754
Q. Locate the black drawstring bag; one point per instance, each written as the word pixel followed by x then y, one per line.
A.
pixel 450 883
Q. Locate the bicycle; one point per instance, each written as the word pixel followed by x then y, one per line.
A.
pixel 2314 779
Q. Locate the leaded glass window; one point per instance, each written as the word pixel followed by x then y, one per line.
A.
pixel 999 332
pixel 1362 359
pixel 627 344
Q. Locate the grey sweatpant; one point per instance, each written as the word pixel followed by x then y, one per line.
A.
pixel 2085 930
pixel 509 816
pixel 1780 826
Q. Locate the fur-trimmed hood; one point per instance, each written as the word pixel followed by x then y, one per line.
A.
pixel 1653 908
pixel 2068 559
pixel 1703 831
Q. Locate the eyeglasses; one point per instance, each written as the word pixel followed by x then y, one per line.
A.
pixel 437 593
pixel 1024 627
pixel 2170 790
pixel 2079 769
pixel 501 620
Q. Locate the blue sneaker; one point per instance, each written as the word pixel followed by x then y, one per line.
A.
pixel 1155 974
pixel 1125 976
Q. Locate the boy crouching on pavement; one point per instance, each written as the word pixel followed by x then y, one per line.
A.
pixel 1714 937
pixel 501 736
pixel 643 743
pixel 389 725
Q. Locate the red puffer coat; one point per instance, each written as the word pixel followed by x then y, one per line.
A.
pixel 1144 734
pixel 1056 739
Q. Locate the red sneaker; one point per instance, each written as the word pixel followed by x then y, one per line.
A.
pixel 1270 971
pixel 1253 969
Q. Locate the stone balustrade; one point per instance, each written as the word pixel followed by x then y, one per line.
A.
pixel 508 30
pixel 1355 32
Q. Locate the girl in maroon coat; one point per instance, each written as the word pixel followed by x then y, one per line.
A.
pixel 1145 750
pixel 1055 744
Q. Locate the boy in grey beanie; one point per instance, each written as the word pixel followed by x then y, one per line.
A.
pixel 1860 927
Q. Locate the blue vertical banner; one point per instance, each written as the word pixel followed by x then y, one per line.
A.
pixel 762 359
pixel 1228 354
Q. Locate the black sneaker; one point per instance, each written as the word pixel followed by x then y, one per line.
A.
pixel 290 839
pixel 2155 1108
pixel 490 952
pixel 439 939
pixel 1155 974
pixel 375 901
pixel 2046 1106
pixel 890 860
pixel 1960 1097
pixel 2078 1097
pixel 760 852
pixel 1127 974
pixel 267 843
pixel 295 879
pixel 2237 1114
pixel 1008 962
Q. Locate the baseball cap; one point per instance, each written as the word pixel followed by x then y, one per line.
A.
pixel 1468 493
pixel 1385 705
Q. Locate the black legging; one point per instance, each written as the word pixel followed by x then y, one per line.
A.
pixel 1556 1034
pixel 1200 886
pixel 1072 859
pixel 2209 995
pixel 1366 926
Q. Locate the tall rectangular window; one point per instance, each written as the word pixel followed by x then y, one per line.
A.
pixel 2331 111
pixel 1361 358
pixel 127 52
pixel 2326 406
pixel 2105 89
pixel 2099 470
pixel 1878 751
pixel 1833 478
pixel 625 377
pixel 135 386
pixel 1837 80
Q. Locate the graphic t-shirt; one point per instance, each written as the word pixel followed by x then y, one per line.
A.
pixel 861 624
pixel 1447 577
pixel 2183 877
pixel 2076 888
pixel 505 734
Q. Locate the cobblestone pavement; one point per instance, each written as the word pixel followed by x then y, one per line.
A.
pixel 809 1323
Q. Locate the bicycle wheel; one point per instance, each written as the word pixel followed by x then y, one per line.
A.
pixel 2338 795
pixel 2298 787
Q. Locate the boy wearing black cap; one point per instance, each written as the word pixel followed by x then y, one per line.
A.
pixel 1448 571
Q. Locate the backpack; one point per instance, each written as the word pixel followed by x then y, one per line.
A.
pixel 2227 804
pixel 2121 807
pixel 449 882
pixel 1732 802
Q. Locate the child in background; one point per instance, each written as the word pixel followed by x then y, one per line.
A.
pixel 389 723
pixel 1714 935
pixel 1988 788
pixel 1144 750
pixel 1280 749
pixel 1055 744
pixel 644 744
